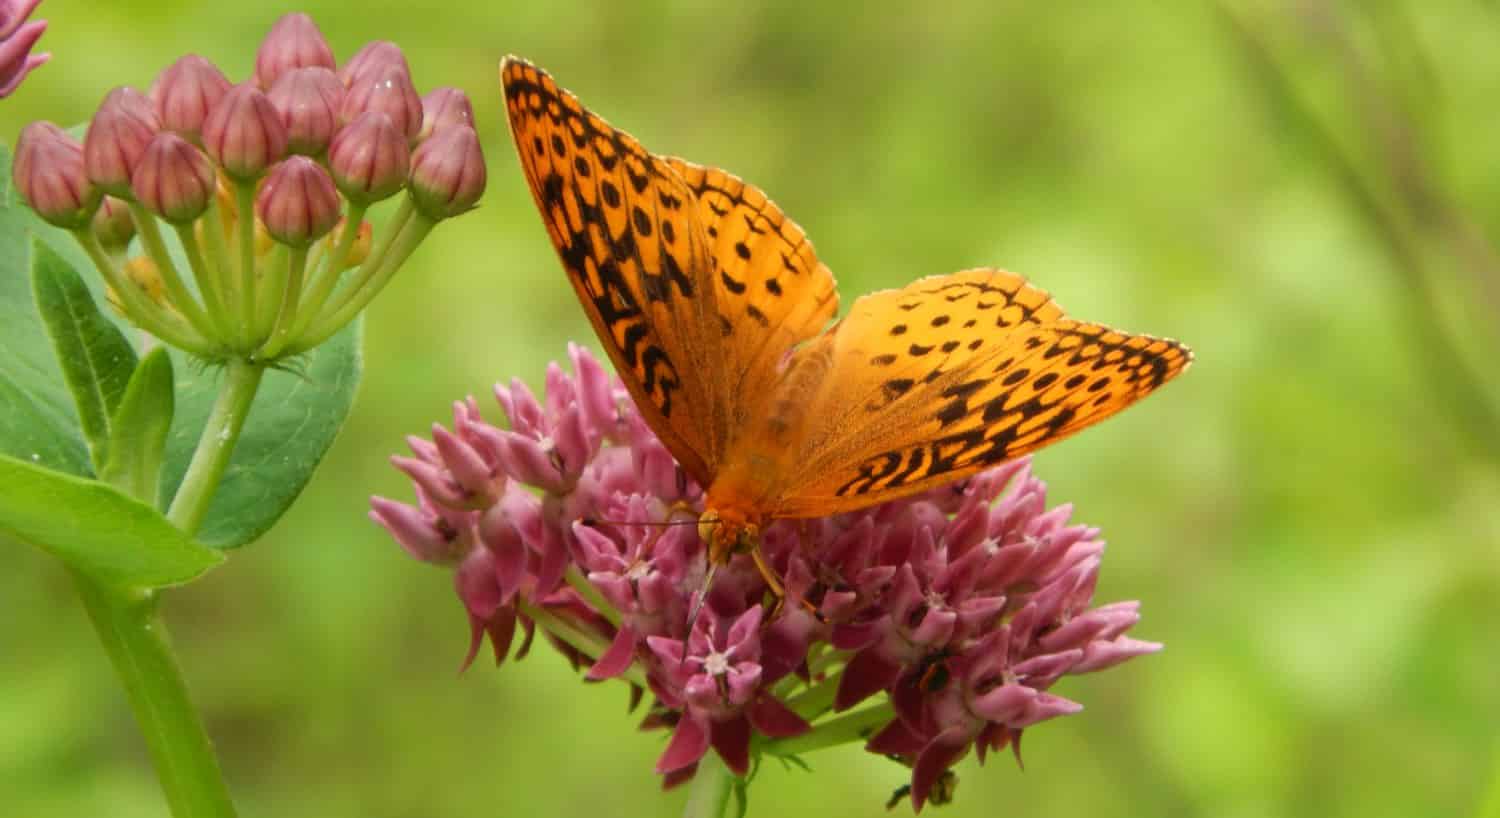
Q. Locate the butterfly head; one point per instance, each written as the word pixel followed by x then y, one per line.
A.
pixel 726 533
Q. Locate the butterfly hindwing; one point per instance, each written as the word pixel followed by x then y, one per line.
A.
pixel 773 292
pixel 951 375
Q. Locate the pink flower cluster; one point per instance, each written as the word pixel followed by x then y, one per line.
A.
pixel 17 38
pixel 962 606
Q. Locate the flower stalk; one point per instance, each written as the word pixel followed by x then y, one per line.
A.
pixel 216 444
pixel 130 627
pixel 712 786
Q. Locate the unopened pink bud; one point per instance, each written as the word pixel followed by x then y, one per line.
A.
pixel 294 41
pixel 174 179
pixel 185 92
pixel 447 173
pixel 49 172
pixel 113 225
pixel 372 55
pixel 308 101
pixel 117 137
pixel 244 134
pixel 445 106
pixel 298 202
pixel 369 158
pixel 387 89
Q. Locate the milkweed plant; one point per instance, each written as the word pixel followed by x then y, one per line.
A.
pixel 187 270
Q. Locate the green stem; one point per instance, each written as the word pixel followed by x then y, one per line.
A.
pixel 280 332
pixel 591 595
pixel 177 291
pixel 220 262
pixel 850 727
pixel 276 268
pixel 216 444
pixel 712 784
pixel 130 626
pixel 244 197
pixel 145 313
pixel 591 644
pixel 370 283
pixel 328 277
pixel 817 699
pixel 203 273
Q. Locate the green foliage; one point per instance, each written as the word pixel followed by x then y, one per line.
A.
pixel 137 442
pixel 96 359
pixel 94 528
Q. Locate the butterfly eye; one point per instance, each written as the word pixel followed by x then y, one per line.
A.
pixel 708 523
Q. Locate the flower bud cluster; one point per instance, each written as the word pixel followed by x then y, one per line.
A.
pixel 955 611
pixel 255 177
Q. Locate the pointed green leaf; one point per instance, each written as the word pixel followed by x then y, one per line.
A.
pixel 38 422
pixel 138 431
pixel 96 529
pixel 96 359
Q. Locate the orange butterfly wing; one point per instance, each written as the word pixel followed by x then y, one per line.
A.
pixel 710 303
pixel 938 380
pixel 695 283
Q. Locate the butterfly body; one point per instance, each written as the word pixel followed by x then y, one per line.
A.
pixel 718 317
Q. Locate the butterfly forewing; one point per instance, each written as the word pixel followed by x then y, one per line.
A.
pixel 696 283
pixel 951 375
pixel 624 225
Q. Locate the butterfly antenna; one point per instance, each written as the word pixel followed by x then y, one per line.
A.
pixel 593 522
pixel 708 581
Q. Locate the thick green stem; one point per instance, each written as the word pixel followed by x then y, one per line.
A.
pixel 850 727
pixel 712 785
pixel 130 627
pixel 222 431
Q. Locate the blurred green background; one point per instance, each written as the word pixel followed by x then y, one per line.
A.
pixel 1311 516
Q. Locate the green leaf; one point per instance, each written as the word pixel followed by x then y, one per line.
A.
pixel 294 420
pixel 95 357
pixel 96 529
pixel 38 422
pixel 138 432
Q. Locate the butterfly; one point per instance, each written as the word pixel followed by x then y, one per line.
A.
pixel 715 310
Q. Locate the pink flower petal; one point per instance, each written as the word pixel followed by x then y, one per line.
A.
pixel 689 743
